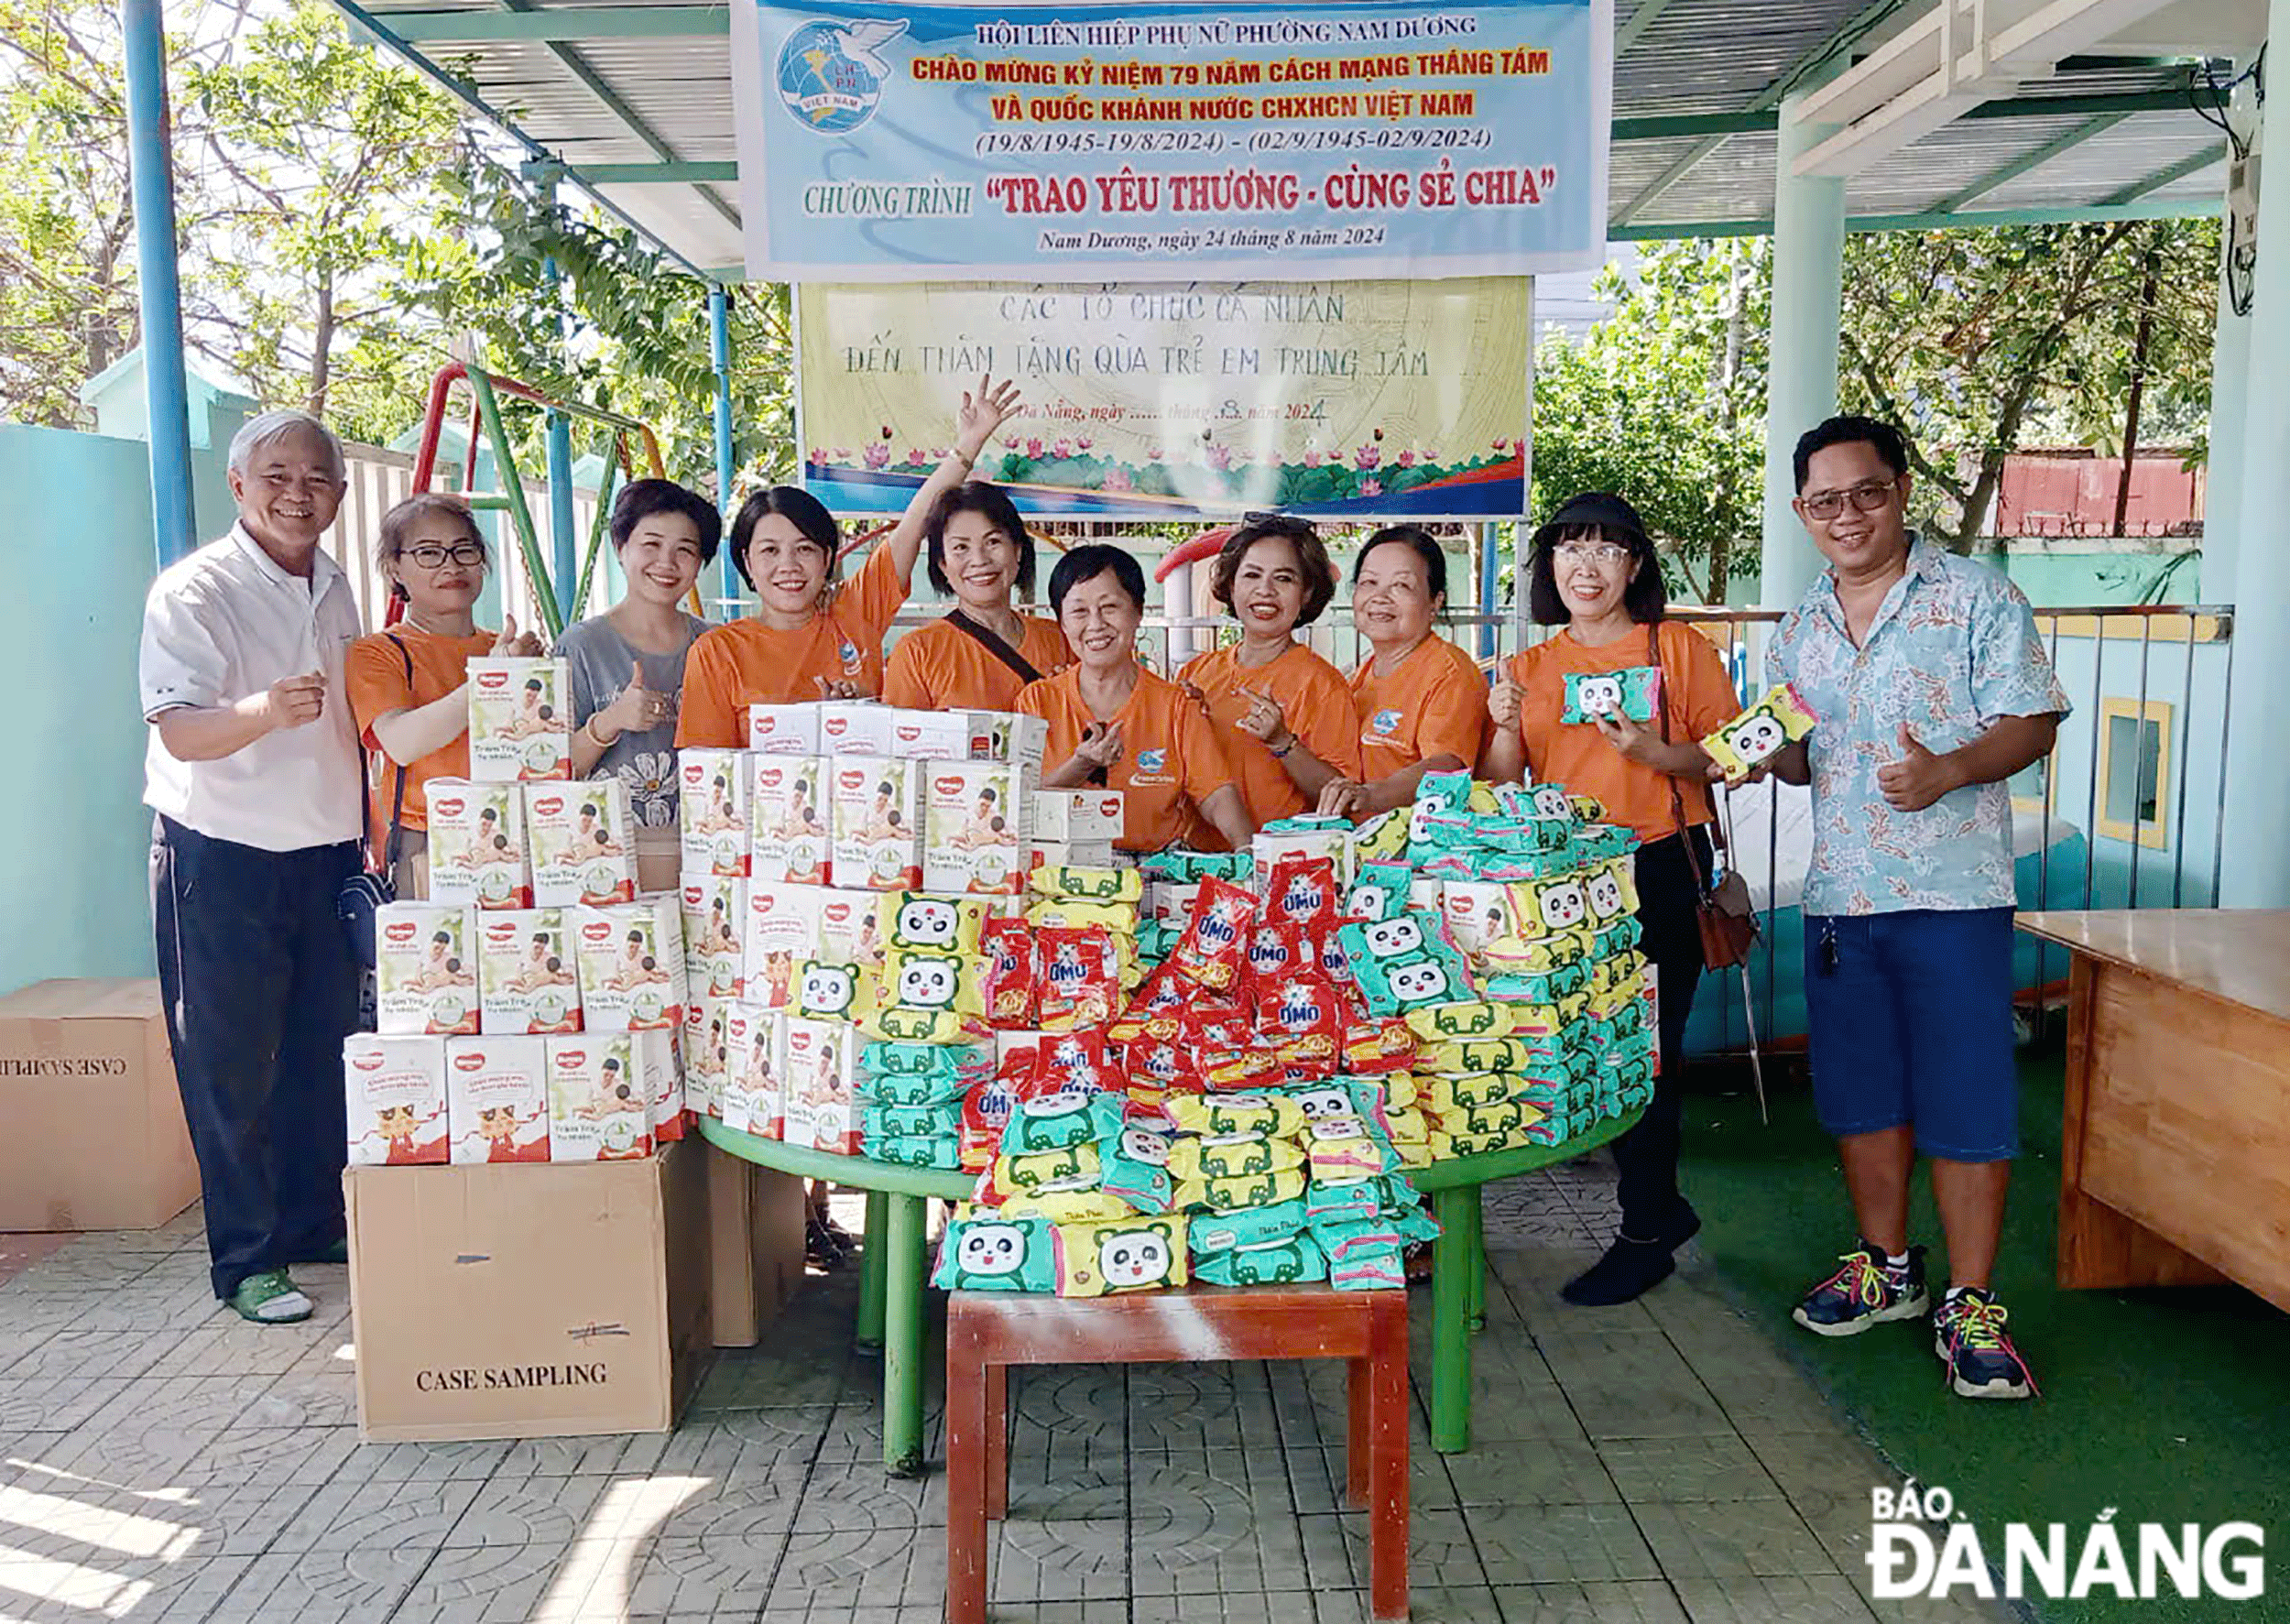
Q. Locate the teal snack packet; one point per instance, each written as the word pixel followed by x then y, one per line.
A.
pixel 1247 1226
pixel 1290 1261
pixel 997 1254
pixel 932 1151
pixel 932 1121
pixel 912 1089
pixel 1057 1121
pixel 1633 692
pixel 1371 1268
pixel 1133 1164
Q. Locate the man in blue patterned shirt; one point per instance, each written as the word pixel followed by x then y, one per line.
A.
pixel 1931 689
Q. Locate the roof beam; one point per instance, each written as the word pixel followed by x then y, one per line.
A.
pixel 557 24
pixel 1930 220
pixel 1867 18
pixel 687 172
pixel 2193 164
pixel 2028 160
pixel 1640 20
pixel 1666 126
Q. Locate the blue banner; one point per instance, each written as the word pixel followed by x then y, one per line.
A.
pixel 1171 142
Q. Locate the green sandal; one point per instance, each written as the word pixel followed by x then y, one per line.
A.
pixel 270 1298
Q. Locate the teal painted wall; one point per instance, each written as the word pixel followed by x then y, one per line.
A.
pixel 74 834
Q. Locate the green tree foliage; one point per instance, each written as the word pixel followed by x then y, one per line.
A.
pixel 1664 402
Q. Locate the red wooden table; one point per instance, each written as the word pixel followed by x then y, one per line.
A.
pixel 988 1332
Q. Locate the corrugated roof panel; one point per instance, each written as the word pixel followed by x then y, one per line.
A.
pixel 1946 161
pixel 2107 163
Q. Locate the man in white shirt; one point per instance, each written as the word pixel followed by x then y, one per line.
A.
pixel 252 768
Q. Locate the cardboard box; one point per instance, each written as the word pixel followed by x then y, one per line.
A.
pixel 780 932
pixel 497 1099
pixel 712 811
pixel 706 1054
pixel 751 1098
pixel 95 1127
pixel 528 981
pixel 630 959
pixel 942 735
pixel 974 828
pixel 1336 845
pixel 784 730
pixel 1067 816
pixel 425 973
pixel 853 727
pixel 787 819
pixel 1019 740
pixel 599 1104
pixel 850 928
pixel 477 844
pixel 1071 854
pixel 394 1100
pixel 714 910
pixel 583 849
pixel 1478 913
pixel 660 1068
pixel 521 720
pixel 529 1301
pixel 756 1243
pixel 875 805
pixel 821 1104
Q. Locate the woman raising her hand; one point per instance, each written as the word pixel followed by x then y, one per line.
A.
pixel 807 640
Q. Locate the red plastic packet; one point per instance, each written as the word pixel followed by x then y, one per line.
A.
pixel 1275 952
pixel 1374 1047
pixel 1302 889
pixel 1081 978
pixel 986 1110
pixel 1077 1057
pixel 1162 1064
pixel 1213 949
pixel 1163 994
pixel 1303 1004
pixel 1012 973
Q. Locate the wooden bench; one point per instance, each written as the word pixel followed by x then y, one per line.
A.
pixel 988 1332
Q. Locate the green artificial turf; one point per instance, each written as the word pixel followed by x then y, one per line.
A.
pixel 2171 1406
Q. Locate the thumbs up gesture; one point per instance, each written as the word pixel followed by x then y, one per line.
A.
pixel 509 643
pixel 638 708
pixel 1919 778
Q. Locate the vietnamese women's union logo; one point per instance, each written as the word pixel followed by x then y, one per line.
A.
pixel 1920 1545
pixel 831 74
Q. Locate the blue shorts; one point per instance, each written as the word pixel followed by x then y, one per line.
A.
pixel 1910 1018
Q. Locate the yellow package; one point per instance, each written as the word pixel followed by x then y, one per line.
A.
pixel 1064 1206
pixel 1400 1090
pixel 911 922
pixel 1535 955
pixel 1413 1153
pixel 1503 1119
pixel 1760 733
pixel 1225 1116
pixel 1611 889
pixel 1453 1022
pixel 919 990
pixel 1088 884
pixel 1225 1195
pixel 1074 1167
pixel 1119 918
pixel 1449 1098
pixel 1406 1127
pixel 1194 1158
pixel 830 992
pixel 1491 1054
pixel 1094 1259
pixel 1383 838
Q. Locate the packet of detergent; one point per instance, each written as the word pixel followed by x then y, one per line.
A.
pixel 1214 948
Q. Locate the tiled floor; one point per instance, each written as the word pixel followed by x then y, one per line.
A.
pixel 1656 1463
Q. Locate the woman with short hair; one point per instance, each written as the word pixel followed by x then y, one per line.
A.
pixel 983 651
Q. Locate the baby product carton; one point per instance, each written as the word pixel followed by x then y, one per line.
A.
pixel 876 813
pixel 821 1106
pixel 1333 844
pixel 394 1089
pixel 784 730
pixel 780 932
pixel 1077 814
pixel 630 957
pixel 582 851
pixel 521 720
pixel 787 819
pixel 755 1064
pixel 855 727
pixel 660 1066
pixel 850 932
pixel 974 836
pixel 711 802
pixel 1021 741
pixel 477 844
pixel 1478 912
pixel 527 980
pixel 1071 854
pixel 496 1098
pixel 598 1110
pixel 425 969
pixel 714 910
pixel 705 1053
pixel 942 735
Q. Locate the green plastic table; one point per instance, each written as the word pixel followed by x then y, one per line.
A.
pixel 892 1266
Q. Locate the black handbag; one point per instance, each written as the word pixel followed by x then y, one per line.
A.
pixel 365 892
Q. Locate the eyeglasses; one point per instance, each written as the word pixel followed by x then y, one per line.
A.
pixel 1869 497
pixel 430 556
pixel 1590 552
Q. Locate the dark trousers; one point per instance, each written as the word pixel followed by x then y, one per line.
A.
pixel 260 989
pixel 1647 1156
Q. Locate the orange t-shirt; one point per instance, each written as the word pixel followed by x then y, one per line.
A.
pixel 1696 691
pixel 375 682
pixel 746 662
pixel 942 667
pixel 1434 702
pixel 1171 761
pixel 1315 698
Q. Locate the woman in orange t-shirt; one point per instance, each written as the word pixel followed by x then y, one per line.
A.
pixel 408 686
pixel 1592 571
pixel 1283 714
pixel 802 643
pixel 1114 723
pixel 977 551
pixel 1421 701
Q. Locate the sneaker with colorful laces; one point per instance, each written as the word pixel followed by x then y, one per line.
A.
pixel 1866 1291
pixel 1968 1335
pixel 270 1298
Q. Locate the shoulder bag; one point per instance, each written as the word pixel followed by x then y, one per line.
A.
pixel 1729 923
pixel 368 889
pixel 993 645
